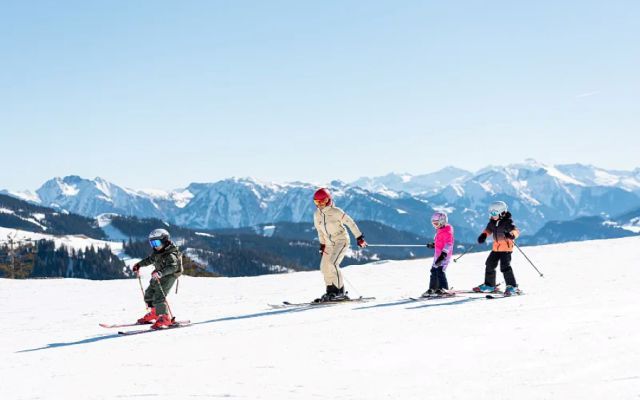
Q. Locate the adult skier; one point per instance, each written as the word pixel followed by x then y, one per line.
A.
pixel 168 267
pixel 330 223
pixel 443 246
pixel 504 232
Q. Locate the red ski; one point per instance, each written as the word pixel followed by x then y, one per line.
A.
pixel 109 326
pixel 175 325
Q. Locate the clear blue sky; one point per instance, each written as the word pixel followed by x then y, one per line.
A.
pixel 164 93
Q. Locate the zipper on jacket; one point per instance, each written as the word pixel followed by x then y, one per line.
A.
pixel 324 221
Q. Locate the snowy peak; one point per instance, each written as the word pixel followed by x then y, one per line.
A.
pixel 594 176
pixel 92 197
pixel 414 184
pixel 96 196
pixel 537 192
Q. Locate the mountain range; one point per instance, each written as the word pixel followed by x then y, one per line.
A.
pixel 264 249
pixel 536 193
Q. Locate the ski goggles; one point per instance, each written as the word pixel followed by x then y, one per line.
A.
pixel 155 242
pixel 495 213
pixel 321 202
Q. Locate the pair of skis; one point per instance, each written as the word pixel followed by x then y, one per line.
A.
pixel 496 294
pixel 182 324
pixel 175 325
pixel 287 304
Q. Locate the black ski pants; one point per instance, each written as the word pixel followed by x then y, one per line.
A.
pixel 504 258
pixel 438 279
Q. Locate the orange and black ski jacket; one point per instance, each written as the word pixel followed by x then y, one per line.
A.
pixel 497 229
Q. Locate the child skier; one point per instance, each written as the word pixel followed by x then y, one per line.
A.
pixel 330 222
pixel 443 246
pixel 504 232
pixel 168 267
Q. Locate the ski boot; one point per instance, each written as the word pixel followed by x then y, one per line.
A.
pixel 484 289
pixel 429 293
pixel 511 291
pixel 340 295
pixel 324 298
pixel 332 294
pixel 328 297
pixel 162 322
pixel 444 293
pixel 149 318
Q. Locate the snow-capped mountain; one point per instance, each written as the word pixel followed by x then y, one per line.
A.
pixel 536 193
pixel 594 176
pixel 234 203
pixel 414 184
pixel 92 197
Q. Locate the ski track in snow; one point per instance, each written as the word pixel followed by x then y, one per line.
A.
pixel 573 336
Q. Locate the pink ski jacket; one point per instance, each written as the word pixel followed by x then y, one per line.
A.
pixel 443 241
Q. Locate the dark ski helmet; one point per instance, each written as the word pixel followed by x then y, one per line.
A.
pixel 159 238
pixel 322 197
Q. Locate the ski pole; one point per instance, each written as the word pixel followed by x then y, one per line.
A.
pixel 165 299
pixel 530 262
pixel 351 284
pixel 465 252
pixel 396 245
pixel 142 290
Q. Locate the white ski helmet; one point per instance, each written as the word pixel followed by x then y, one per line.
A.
pixel 439 219
pixel 159 237
pixel 497 208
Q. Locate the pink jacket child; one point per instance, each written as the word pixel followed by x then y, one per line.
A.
pixel 443 246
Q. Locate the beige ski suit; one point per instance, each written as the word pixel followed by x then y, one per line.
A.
pixel 330 222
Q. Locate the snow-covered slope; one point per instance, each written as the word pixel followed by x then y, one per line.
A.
pixel 572 336
pixel 75 242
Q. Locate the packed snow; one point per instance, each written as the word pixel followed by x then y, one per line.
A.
pixel 574 335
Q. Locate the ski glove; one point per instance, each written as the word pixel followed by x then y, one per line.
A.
pixel 361 242
pixel 440 259
pixel 431 245
pixel 156 275
pixel 509 235
pixel 322 247
pixel 135 268
pixel 482 238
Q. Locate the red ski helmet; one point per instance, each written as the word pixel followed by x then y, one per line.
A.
pixel 322 197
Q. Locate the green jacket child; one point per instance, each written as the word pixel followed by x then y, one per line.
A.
pixel 168 267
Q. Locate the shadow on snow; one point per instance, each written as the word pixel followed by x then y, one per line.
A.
pixel 380 305
pixel 449 303
pixel 116 335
